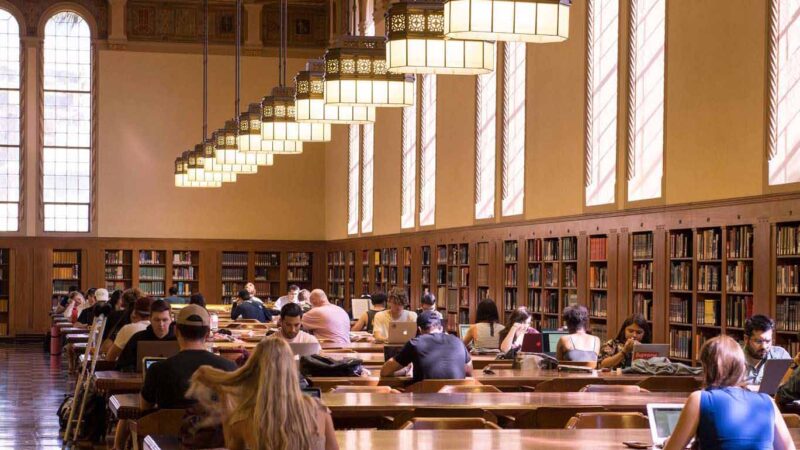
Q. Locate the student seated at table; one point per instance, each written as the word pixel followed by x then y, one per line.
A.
pixel 120 317
pixel 173 298
pixel 86 316
pixel 251 289
pixel 485 333
pixel 246 308
pixel 367 319
pixel 433 353
pixel 517 326
pixel 616 353
pixel 160 329
pixel 261 405
pixel 428 303
pixel 64 300
pixel 758 338
pixel 75 305
pixel 725 415
pixel 326 320
pixel 198 299
pixel 289 325
pixel 397 312
pixel 304 299
pixel 290 297
pixel 578 345
pixel 140 320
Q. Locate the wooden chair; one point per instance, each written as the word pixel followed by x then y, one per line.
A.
pixel 590 364
pixel 348 389
pixel 792 420
pixel 432 386
pixel 626 388
pixel 670 384
pixel 617 420
pixel 436 413
pixel 468 389
pixel 566 384
pixel 448 423
pixel 552 416
pixel 162 421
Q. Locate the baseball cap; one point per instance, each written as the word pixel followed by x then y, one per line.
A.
pixel 427 319
pixel 194 316
pixel 101 295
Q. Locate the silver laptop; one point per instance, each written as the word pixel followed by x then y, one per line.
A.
pixel 161 349
pixel 305 349
pixel 647 351
pixel 401 332
pixel 663 417
pixel 774 370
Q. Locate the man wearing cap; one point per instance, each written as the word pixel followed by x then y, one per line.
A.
pixel 160 329
pixel 434 354
pixel 86 317
pixel 246 308
pixel 140 319
pixel 166 382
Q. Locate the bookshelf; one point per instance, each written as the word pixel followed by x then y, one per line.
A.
pixel 569 271
pixel 118 269
pixel 234 274
pixel 787 285
pixel 365 272
pixel 510 278
pixel 153 272
pixel 406 279
pixel 681 294
pixel 5 291
pixel 551 281
pixel 298 270
pixel 351 277
pixel 642 274
pixel 738 279
pixel 186 272
pixel 533 250
pixel 267 279
pixel 482 282
pixel 598 286
pixel 66 270
pixel 336 277
pixel 458 283
pixel 385 268
pixel 425 270
pixel 441 280
pixel 708 280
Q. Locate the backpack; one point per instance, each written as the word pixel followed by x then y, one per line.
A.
pixel 322 366
pixel 94 416
pixel 196 432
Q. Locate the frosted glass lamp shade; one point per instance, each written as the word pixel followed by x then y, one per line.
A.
pixel 227 173
pixel 309 100
pixel 280 132
pixel 536 21
pixel 227 153
pixel 181 171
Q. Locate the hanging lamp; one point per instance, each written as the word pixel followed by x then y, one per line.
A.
pixel 227 172
pixel 227 153
pixel 249 138
pixel 356 75
pixel 182 164
pixel 416 43
pixel 536 21
pixel 309 100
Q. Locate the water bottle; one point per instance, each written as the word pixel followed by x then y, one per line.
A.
pixel 214 321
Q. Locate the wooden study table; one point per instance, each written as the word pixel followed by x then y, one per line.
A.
pixel 108 382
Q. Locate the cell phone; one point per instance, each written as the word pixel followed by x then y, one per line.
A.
pixel 312 392
pixel 636 444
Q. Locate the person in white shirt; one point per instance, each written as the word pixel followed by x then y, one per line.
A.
pixel 397 312
pixel 251 289
pixel 289 326
pixel 140 320
pixel 290 297
pixel 75 305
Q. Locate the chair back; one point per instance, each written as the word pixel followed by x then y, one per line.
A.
pixel 432 386
pixel 468 389
pixel 590 364
pixel 792 420
pixel 626 388
pixel 448 423
pixel 671 384
pixel 617 420
pixel 553 416
pixel 162 421
pixel 436 413
pixel 349 388
pixel 566 384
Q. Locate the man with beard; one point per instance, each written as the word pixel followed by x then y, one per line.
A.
pixel 758 338
pixel 289 325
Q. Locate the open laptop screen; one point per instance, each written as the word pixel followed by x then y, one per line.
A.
pixel 550 340
pixel 666 419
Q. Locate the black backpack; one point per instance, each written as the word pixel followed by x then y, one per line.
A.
pixel 322 366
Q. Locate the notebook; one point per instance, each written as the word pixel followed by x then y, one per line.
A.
pixel 663 417
pixel 359 306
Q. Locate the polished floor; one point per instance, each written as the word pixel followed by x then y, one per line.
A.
pixel 32 386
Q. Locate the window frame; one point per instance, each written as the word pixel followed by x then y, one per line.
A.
pixel 22 217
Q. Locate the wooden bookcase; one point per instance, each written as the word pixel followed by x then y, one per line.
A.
pixel 267 275
pixel 425 272
pixel 709 281
pixel 510 277
pixel 299 269
pixel 405 280
pixel 533 252
pixel 551 310
pixel 681 294
pixel 642 275
pixel 365 286
pixel 384 264
pixel 739 279
pixel 153 272
pixel 569 271
pixel 66 270
pixel 786 284
pixel 597 280
pixel 483 279
pixel 186 272
pixel 5 291
pixel 351 278
pixel 336 277
pixel 234 274
pixel 118 270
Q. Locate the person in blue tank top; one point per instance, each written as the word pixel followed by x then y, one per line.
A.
pixel 725 415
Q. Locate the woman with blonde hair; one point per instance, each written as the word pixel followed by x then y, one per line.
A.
pixel 261 406
pixel 725 415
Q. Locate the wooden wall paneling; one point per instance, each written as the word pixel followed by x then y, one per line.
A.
pixel 94 267
pixel 284 272
pixel 660 304
pixel 583 268
pixel 210 284
pixel 42 292
pixel 20 288
pixel 764 245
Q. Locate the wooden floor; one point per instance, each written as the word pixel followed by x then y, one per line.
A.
pixel 32 385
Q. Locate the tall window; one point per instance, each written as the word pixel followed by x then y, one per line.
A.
pixel 784 123
pixel 601 101
pixel 9 122
pixel 485 145
pixel 409 168
pixel 427 207
pixel 353 184
pixel 646 117
pixel 514 129
pixel 367 169
pixel 67 123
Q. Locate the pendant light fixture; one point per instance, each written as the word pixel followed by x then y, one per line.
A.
pixel 182 164
pixel 227 153
pixel 309 100
pixel 249 139
pixel 416 43
pixel 537 21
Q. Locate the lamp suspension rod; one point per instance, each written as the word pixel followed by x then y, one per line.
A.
pixel 238 57
pixel 205 69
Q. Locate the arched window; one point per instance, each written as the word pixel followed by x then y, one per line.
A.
pixel 409 168
pixel 485 145
pixel 427 189
pixel 353 183
pixel 514 129
pixel 67 153
pixel 9 122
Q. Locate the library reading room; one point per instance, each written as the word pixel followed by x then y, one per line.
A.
pixel 399 224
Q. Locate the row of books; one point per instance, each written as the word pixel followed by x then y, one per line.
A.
pixel 788 242
pixel 787 316
pixel 739 242
pixel 707 312
pixel 117 257
pixel 787 278
pixel 336 274
pixel 739 277
pixel 550 303
pixel 680 276
pixel 534 250
pixel 3 305
pixel 598 277
pixel 680 343
pixel 570 276
pixel 335 290
pixel 426 275
pixel 483 275
pixel 234 274
pixel 642 245
pixel 298 258
pixel 441 275
pixel 510 251
pixel 598 248
pixel 551 275
pixel 66 273
pixel 458 254
pixel 569 249
pixel 550 250
pixel 509 299
pixel 112 285
pixel 117 273
pixel 232 288
pixel 510 275
pixel 708 278
pixel 600 330
pixel 182 258
pixel 708 244
pixel 334 258
pixel 426 256
pixel 184 273
pixel 184 288
pixel 679 309
pixel 152 273
pixel 483 253
pixel 66 257
pixel 441 254
pixel 155 288
pixel 151 257
pixel 234 259
pixel 386 256
pixel 268 259
pixel 737 309
pixel 269 272
pixel 61 287
pixel 643 305
pixel 598 304
pixel 643 275
pixel 680 245
pixel 301 274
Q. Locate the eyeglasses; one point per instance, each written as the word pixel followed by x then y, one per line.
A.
pixel 761 341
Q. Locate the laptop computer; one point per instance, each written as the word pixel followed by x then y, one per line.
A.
pixel 401 332
pixel 774 370
pixel 163 349
pixel 663 417
pixel 647 351
pixel 550 340
pixel 532 343
pixel 305 349
pixel 148 361
pixel 463 329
